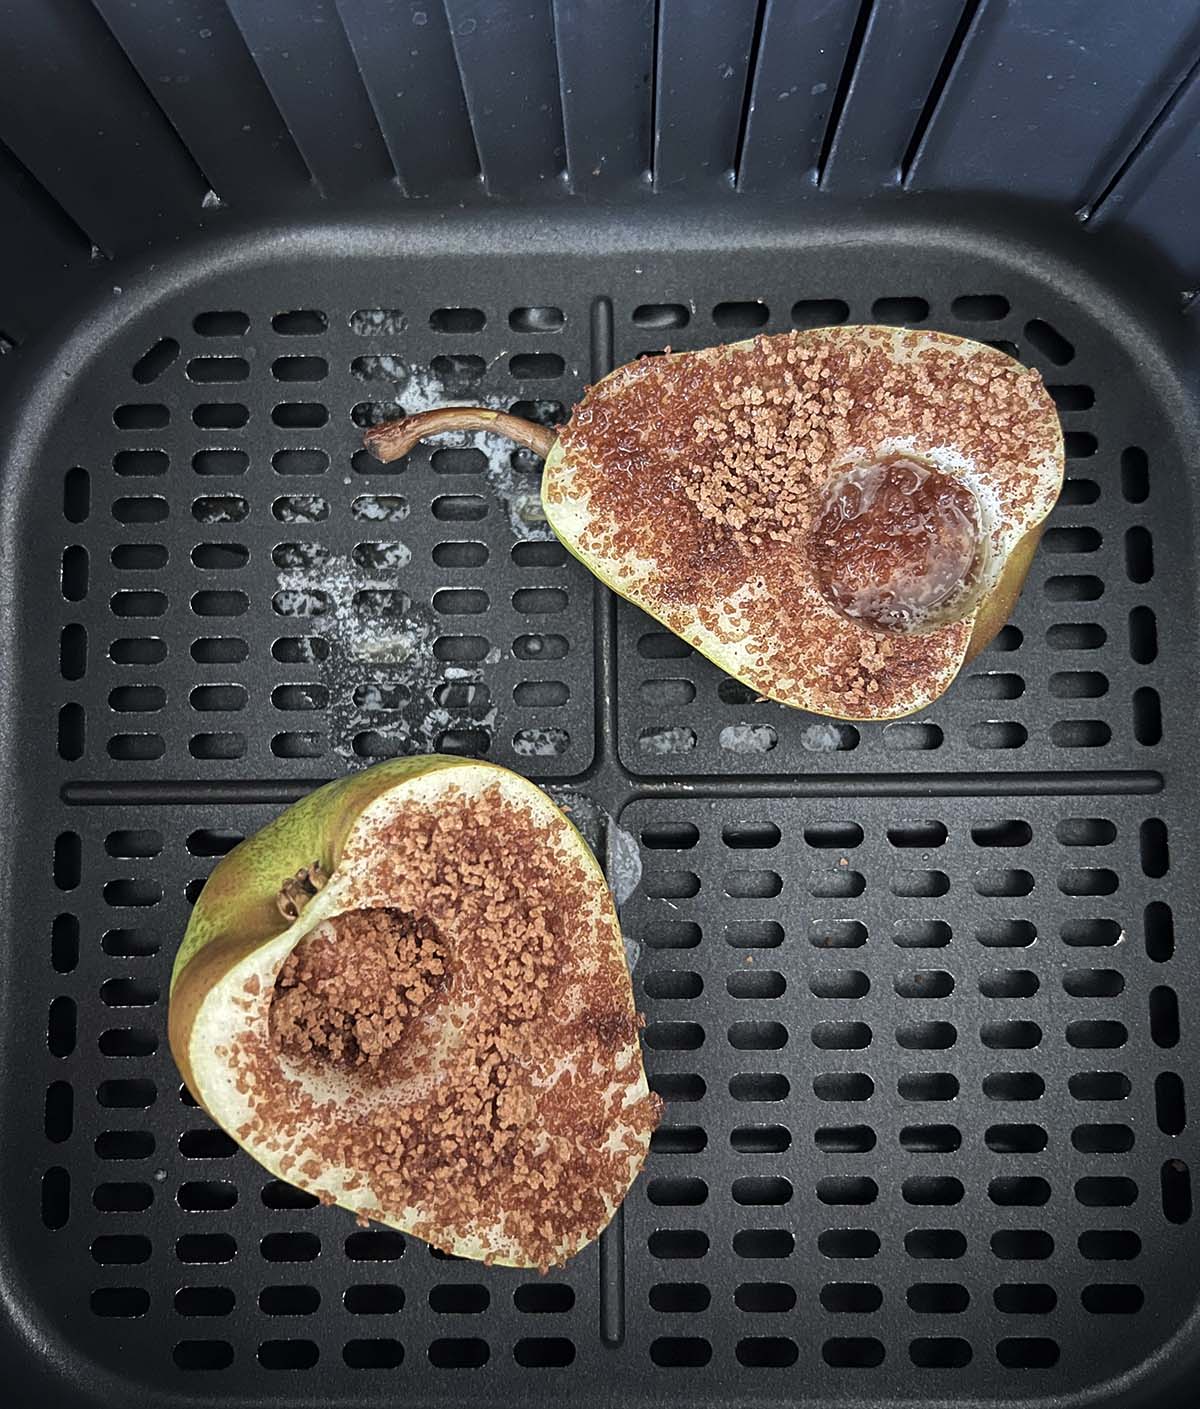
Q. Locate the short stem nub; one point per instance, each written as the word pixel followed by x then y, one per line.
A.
pixel 393 439
pixel 295 893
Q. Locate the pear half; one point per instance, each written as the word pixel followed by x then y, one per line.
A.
pixel 495 1104
pixel 690 484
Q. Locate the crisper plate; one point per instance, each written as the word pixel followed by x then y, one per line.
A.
pixel 916 993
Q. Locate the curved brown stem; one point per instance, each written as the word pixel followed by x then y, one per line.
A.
pixel 393 439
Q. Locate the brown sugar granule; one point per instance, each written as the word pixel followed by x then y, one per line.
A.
pixel 347 993
pixel 711 467
pixel 513 1129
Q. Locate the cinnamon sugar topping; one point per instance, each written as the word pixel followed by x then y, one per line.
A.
pixel 347 994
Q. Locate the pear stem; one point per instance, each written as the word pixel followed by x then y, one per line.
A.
pixel 393 439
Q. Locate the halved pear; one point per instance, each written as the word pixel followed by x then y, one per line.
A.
pixel 690 484
pixel 507 1112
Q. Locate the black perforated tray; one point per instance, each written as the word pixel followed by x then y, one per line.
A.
pixel 917 994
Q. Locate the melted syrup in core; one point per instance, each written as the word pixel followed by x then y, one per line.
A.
pixel 897 544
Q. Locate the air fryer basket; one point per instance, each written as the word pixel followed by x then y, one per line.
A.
pixel 917 994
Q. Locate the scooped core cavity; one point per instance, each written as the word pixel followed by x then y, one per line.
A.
pixel 897 545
